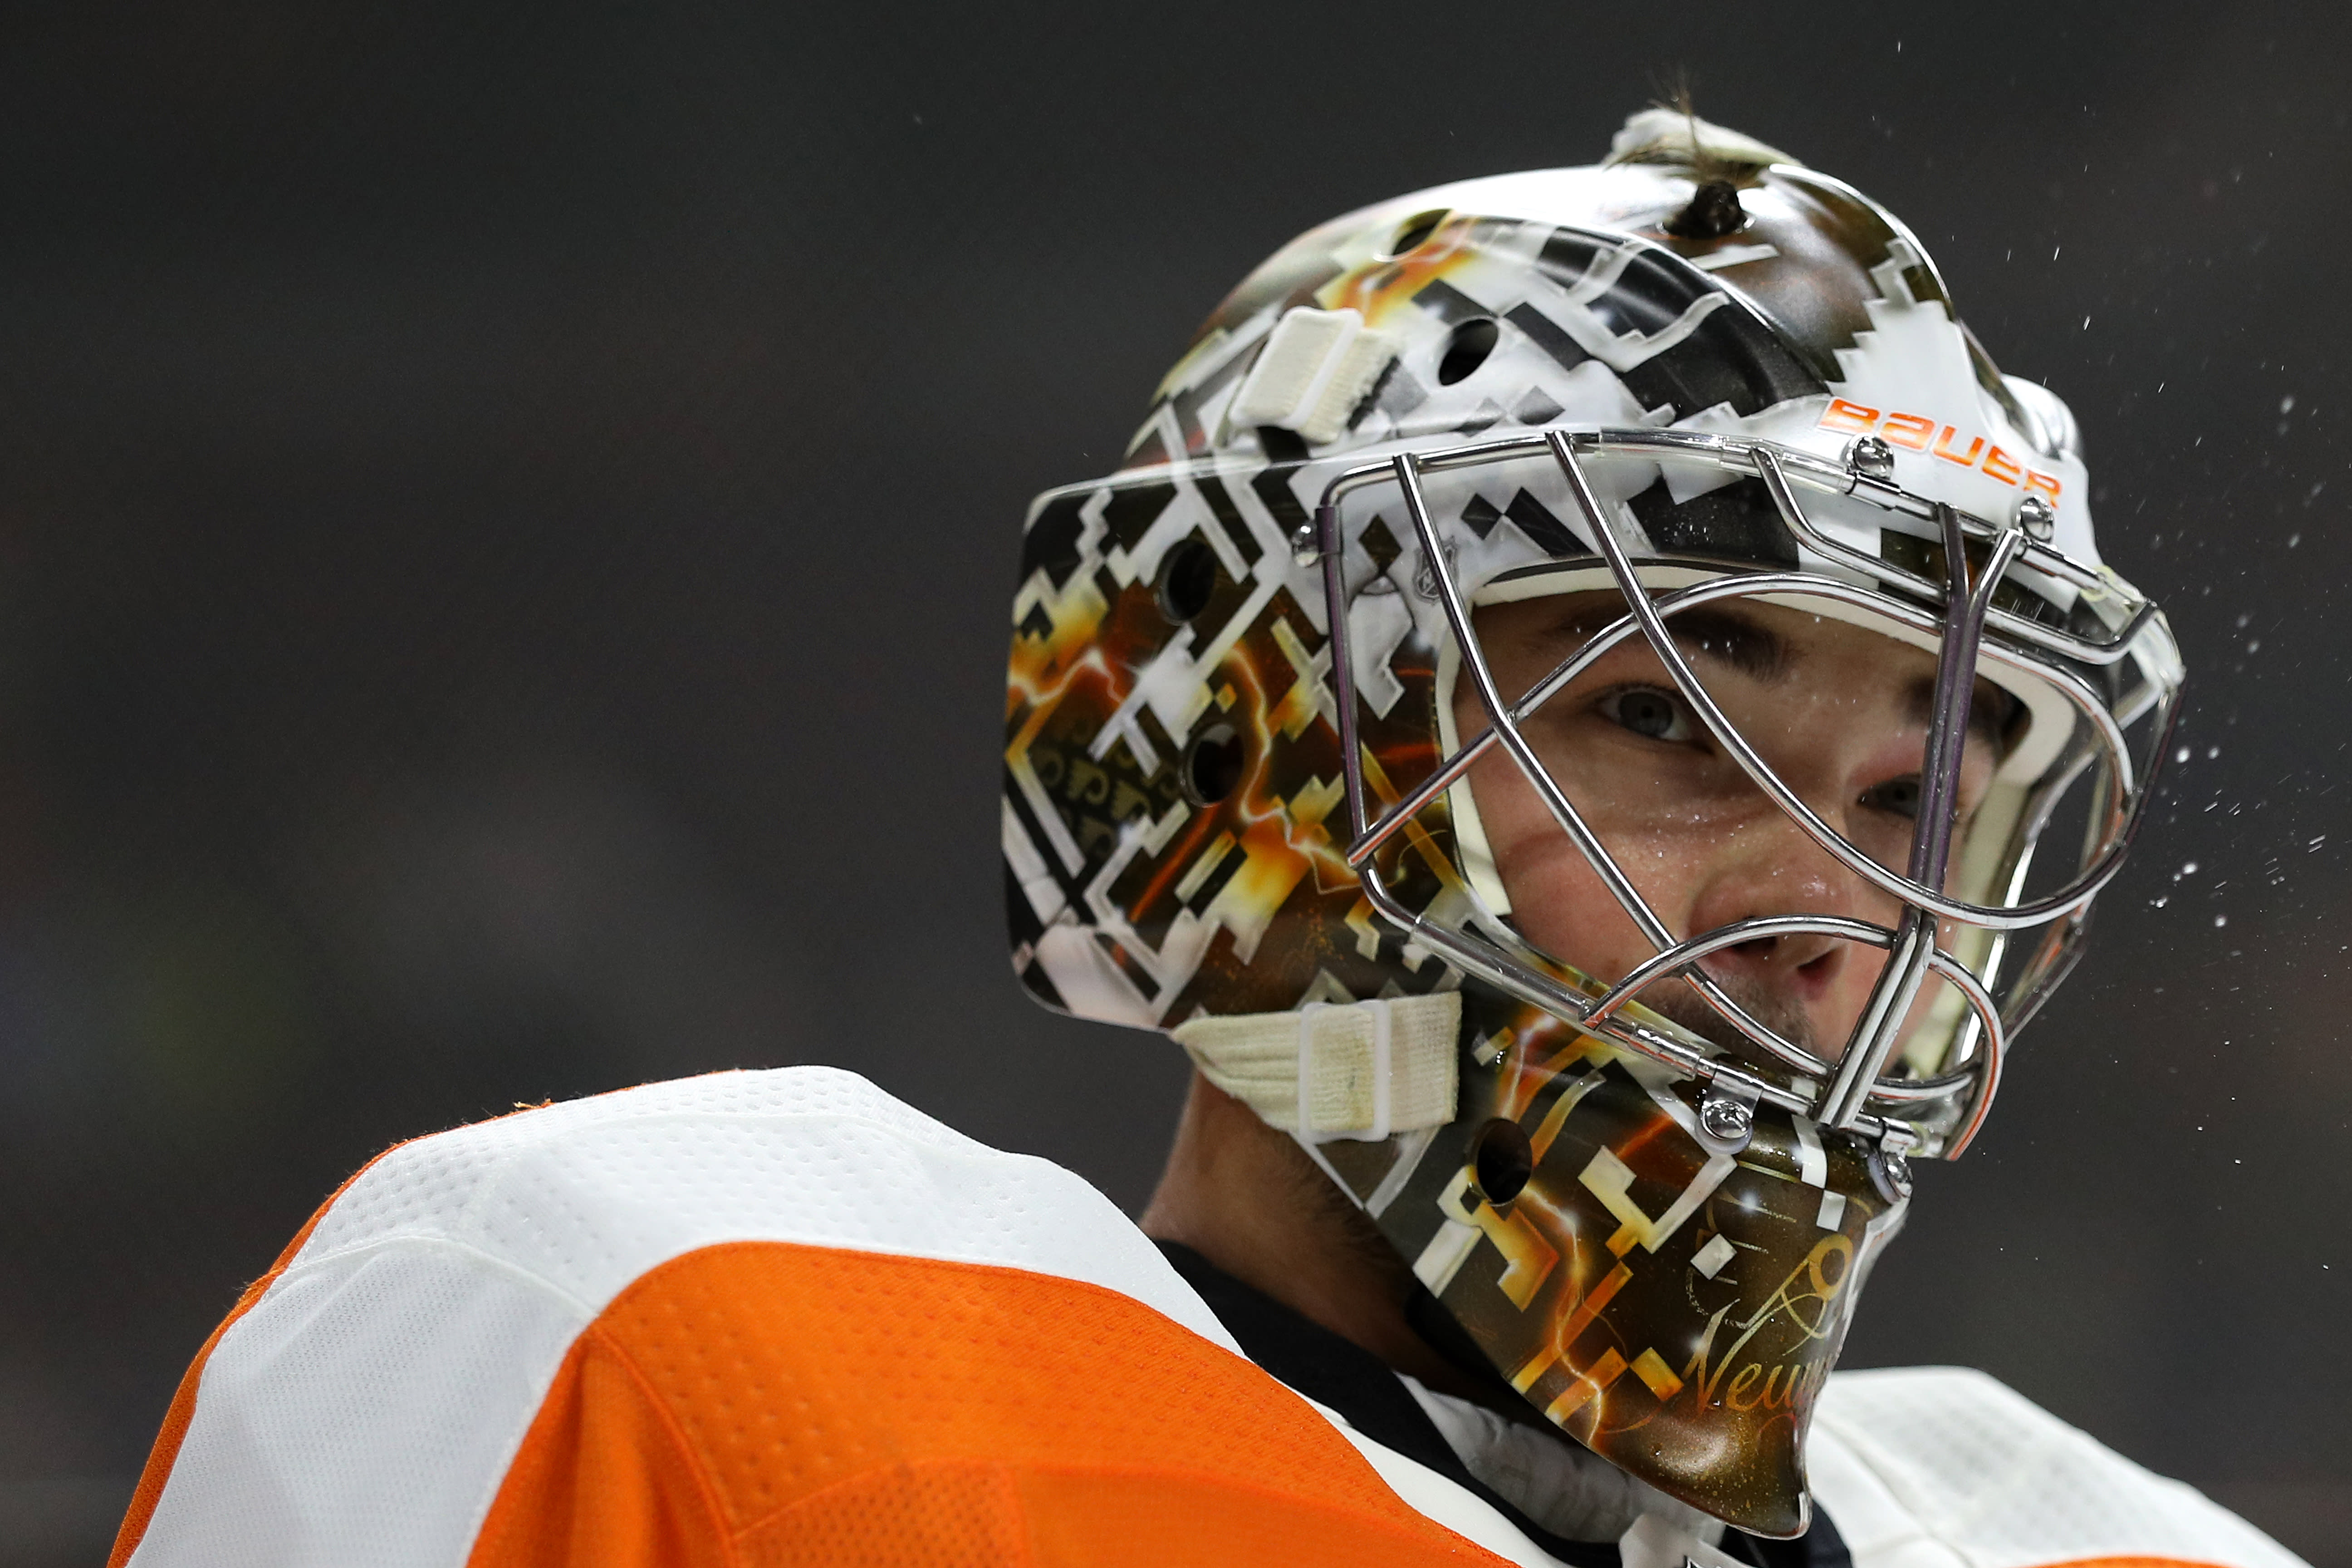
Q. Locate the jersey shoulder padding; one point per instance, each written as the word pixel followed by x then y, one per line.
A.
pixel 752 1318
pixel 1938 1467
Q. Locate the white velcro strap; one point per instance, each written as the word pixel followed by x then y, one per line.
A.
pixel 1317 366
pixel 1362 1071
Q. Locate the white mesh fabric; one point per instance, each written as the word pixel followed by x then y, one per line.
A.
pixel 362 1412
pixel 1945 1468
pixel 586 1196
pixel 365 1409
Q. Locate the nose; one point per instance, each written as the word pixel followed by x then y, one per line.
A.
pixel 1769 866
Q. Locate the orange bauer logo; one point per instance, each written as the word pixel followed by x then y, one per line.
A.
pixel 1918 433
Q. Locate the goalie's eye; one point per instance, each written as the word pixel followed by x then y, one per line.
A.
pixel 1897 797
pixel 1649 711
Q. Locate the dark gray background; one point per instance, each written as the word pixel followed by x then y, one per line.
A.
pixel 507 516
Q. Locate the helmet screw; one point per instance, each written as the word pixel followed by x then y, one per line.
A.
pixel 1890 1174
pixel 1306 544
pixel 2034 515
pixel 1726 1119
pixel 1869 458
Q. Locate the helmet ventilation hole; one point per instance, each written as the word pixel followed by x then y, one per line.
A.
pixel 1714 211
pixel 1414 230
pixel 1465 350
pixel 1501 1161
pixel 1213 764
pixel 1188 576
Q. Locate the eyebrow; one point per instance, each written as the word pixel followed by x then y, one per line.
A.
pixel 1992 713
pixel 1754 651
pixel 1761 654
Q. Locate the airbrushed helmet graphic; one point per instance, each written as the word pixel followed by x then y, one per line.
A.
pixel 1492 552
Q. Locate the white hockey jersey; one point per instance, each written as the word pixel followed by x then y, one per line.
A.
pixel 779 1317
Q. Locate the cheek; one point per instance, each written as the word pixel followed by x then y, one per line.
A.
pixel 1558 901
pixel 1849 994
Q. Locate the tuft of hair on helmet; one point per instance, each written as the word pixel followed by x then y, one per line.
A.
pixel 1720 162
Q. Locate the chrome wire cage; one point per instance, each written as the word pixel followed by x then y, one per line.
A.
pixel 1938 1114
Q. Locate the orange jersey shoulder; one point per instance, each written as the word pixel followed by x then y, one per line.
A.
pixel 750 1318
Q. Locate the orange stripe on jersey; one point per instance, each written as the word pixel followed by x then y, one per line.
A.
pixel 766 1403
pixel 184 1399
pixel 2131 1563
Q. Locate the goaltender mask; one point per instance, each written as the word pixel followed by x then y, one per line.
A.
pixel 1593 712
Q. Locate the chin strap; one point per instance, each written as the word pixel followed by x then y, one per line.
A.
pixel 1359 1070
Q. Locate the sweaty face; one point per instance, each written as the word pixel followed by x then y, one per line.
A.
pixel 1840 713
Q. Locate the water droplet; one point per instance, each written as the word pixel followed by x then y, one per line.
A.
pixel 2286 403
pixel 2188 868
pixel 2221 920
pixel 2181 755
pixel 2213 751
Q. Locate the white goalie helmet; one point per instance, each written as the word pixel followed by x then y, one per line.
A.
pixel 1250 707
